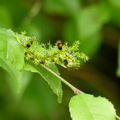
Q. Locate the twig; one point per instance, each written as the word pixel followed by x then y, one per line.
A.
pixel 118 117
pixel 75 90
pixel 33 12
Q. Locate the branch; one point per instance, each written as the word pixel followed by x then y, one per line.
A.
pixel 33 12
pixel 118 117
pixel 75 90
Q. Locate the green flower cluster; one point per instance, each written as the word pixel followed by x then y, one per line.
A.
pixel 68 57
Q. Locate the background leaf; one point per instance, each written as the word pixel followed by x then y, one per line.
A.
pixel 90 20
pixel 87 107
pixel 62 7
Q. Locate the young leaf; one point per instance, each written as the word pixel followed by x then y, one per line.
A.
pixel 10 49
pixel 52 80
pixel 88 107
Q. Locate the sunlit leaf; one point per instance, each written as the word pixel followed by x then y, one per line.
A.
pixel 88 107
pixel 10 49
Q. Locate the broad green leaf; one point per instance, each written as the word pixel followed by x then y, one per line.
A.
pixel 52 80
pixel 10 49
pixel 91 19
pixel 7 32
pixel 118 69
pixel 88 107
pixel 15 74
pixel 64 7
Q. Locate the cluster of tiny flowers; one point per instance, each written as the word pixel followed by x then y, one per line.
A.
pixel 61 54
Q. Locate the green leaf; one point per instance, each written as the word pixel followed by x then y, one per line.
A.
pixel 91 19
pixel 7 32
pixel 88 107
pixel 15 74
pixel 10 49
pixel 52 80
pixel 63 7
pixel 118 69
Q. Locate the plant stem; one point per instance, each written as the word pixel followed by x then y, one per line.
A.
pixel 75 90
pixel 33 12
pixel 118 117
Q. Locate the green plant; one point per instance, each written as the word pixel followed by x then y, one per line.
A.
pixel 19 52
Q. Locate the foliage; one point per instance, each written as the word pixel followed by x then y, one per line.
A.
pixel 37 53
pixel 94 23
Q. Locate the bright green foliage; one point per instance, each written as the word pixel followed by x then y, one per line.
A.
pixel 12 57
pixel 10 49
pixel 88 107
pixel 15 47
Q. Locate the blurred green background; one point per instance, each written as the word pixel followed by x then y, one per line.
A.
pixel 96 23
